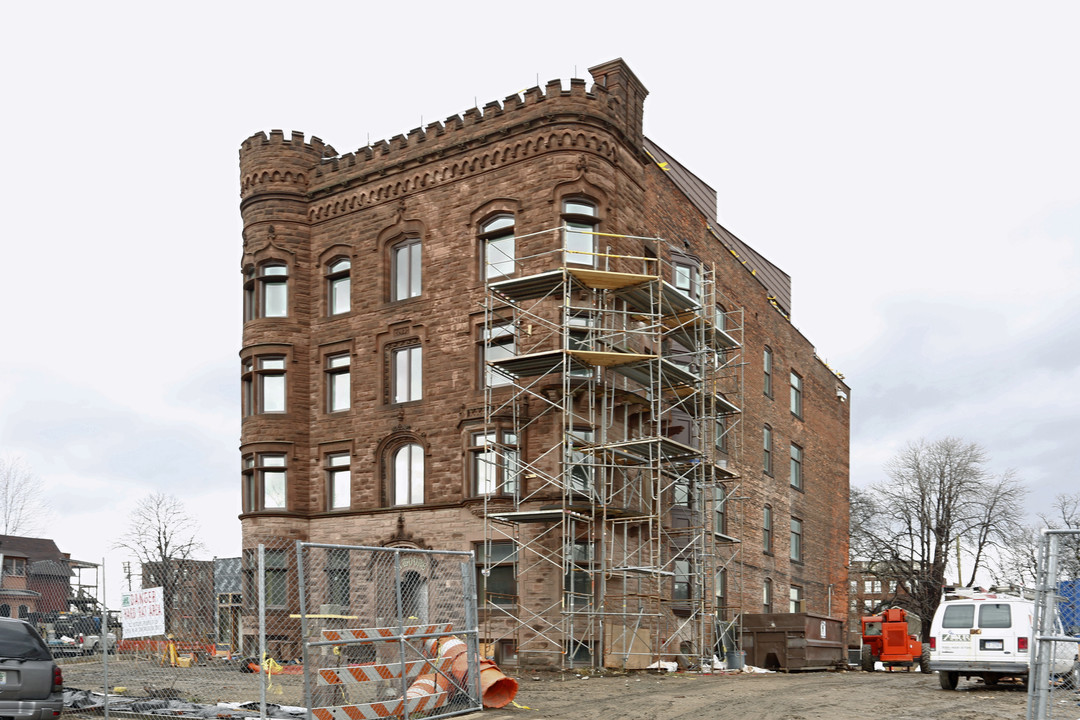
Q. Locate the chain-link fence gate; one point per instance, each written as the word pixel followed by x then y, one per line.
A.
pixel 323 630
pixel 388 632
pixel 1054 680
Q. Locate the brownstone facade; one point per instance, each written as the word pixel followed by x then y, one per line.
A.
pixel 363 348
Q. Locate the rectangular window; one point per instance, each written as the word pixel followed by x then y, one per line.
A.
pixel 720 506
pixel 579 219
pixel 681 586
pixel 248 387
pixel 499 344
pixel 338 397
pixel 766 596
pixel 276 577
pixel 796 395
pixel 339 480
pixel 795 595
pixel 272 479
pixel 581 470
pixel 685 279
pixel 766 365
pixel 274 291
pixel 766 439
pixel 407 374
pixel 337 577
pixel 249 490
pixel 577 585
pixel 872 587
pixel 796 466
pixel 767 529
pixel 495 576
pixel 958 616
pixel 494 466
pixel 796 540
pixel 995 615
pixel 406 269
pixel 721 434
pixel 271 384
pixel 578 338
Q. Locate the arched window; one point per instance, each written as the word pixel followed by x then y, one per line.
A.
pixel 24 611
pixel 497 238
pixel 405 269
pixel 5 610
pixel 407 475
pixel 338 287
pixel 580 220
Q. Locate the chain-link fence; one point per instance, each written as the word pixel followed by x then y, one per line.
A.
pixel 190 631
pixel 1054 681
pixel 388 632
pixel 323 630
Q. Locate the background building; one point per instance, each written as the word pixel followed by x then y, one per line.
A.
pixel 522 332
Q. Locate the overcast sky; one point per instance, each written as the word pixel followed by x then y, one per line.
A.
pixel 915 168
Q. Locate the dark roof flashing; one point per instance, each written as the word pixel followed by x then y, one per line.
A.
pixel 776 282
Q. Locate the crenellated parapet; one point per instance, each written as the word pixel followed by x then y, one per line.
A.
pixel 275 164
pixel 538 119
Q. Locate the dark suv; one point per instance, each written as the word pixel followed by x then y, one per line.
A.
pixel 31 686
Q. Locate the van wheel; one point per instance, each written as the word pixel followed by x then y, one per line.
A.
pixel 924 660
pixel 948 680
pixel 867 663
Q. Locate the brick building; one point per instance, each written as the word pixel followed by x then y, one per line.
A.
pixel 35 577
pixel 522 332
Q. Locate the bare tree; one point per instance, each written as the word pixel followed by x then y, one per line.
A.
pixel 940 510
pixel 1017 562
pixel 164 538
pixel 22 504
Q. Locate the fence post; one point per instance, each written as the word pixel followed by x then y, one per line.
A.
pixel 305 657
pixel 104 641
pixel 262 632
pixel 468 579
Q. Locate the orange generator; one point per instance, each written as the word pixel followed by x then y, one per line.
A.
pixel 886 640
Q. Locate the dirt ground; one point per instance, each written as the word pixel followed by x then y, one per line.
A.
pixel 641 696
pixel 803 696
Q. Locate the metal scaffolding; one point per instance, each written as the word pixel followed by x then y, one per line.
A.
pixel 614 387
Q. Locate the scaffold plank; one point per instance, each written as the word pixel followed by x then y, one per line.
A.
pixel 608 280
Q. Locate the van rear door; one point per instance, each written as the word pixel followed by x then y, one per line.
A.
pixel 958 640
pixel 996 639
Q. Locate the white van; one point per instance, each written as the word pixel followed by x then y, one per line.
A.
pixel 987 634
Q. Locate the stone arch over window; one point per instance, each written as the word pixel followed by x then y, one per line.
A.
pixel 401 251
pixel 403 459
pixel 579 206
pixel 336 265
pixel 266 288
pixel 495 226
